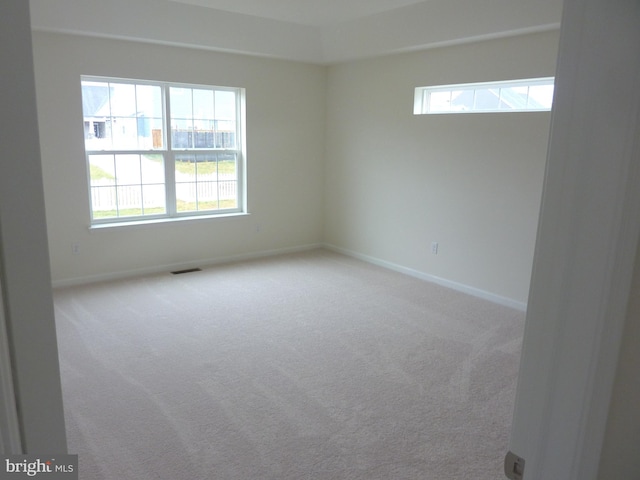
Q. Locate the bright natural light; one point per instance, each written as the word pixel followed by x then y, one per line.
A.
pixel 506 96
pixel 158 150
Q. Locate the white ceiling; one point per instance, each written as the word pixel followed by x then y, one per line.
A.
pixel 315 31
pixel 319 13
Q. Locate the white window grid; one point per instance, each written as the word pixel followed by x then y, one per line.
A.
pixel 525 95
pixel 169 154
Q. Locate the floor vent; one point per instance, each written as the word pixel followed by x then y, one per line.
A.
pixel 188 270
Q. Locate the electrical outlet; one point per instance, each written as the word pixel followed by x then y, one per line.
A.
pixel 434 248
pixel 75 248
pixel 513 466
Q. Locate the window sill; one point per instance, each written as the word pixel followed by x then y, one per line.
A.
pixel 164 221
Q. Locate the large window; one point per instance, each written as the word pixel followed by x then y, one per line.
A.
pixel 158 150
pixel 508 96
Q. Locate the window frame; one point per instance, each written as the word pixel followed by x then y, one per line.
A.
pixel 423 105
pixel 169 154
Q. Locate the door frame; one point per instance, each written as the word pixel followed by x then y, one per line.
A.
pixel 586 245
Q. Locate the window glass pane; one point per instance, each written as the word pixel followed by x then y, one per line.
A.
pixel 149 101
pixel 149 114
pixel 186 197
pixel 185 167
pixel 198 181
pixel 117 187
pixel 514 98
pixel 203 104
pixel 487 99
pixel 181 102
pixel 150 134
pixel 102 170
pixel 203 136
pixel 122 116
pixel 153 188
pixel 157 133
pixel 97 112
pixel 154 199
pixel 228 194
pixel 203 124
pixel 225 134
pixel 128 169
pixel 129 200
pixel 145 140
pixel 225 105
pixel 541 96
pixel 103 202
pixel 462 100
pixel 207 166
pixel 152 169
pixel 95 99
pixel 181 133
pixel 440 101
pixel 129 118
pixel 97 133
pixel 519 95
pixel 227 166
pixel 207 195
pixel 124 131
pixel 123 100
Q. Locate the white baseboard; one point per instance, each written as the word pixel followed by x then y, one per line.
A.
pixel 119 275
pixel 476 292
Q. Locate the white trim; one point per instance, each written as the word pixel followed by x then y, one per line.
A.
pixel 476 292
pixel 460 287
pixel 10 438
pixel 612 318
pixel 586 246
pixel 164 220
pixel 207 262
pixel 422 96
pixel 168 153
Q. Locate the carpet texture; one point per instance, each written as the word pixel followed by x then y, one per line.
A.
pixel 304 366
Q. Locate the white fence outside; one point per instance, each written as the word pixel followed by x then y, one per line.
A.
pixel 106 196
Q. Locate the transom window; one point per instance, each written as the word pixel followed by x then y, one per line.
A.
pixel 158 150
pixel 509 96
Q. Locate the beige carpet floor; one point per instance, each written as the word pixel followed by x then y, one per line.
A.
pixel 304 366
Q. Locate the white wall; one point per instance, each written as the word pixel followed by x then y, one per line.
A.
pixel 396 182
pixel 285 130
pixel 389 182
pixel 24 262
pixel 622 439
pixel 422 24
pixel 586 247
pixel 173 23
pixel 437 23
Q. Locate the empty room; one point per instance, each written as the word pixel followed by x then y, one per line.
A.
pixel 290 239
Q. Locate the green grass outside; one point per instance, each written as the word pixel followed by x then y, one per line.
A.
pixel 204 206
pixel 182 207
pixel 207 168
pixel 204 168
pixel 128 212
pixel 98 173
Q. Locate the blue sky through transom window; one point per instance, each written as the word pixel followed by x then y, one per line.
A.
pixel 517 95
